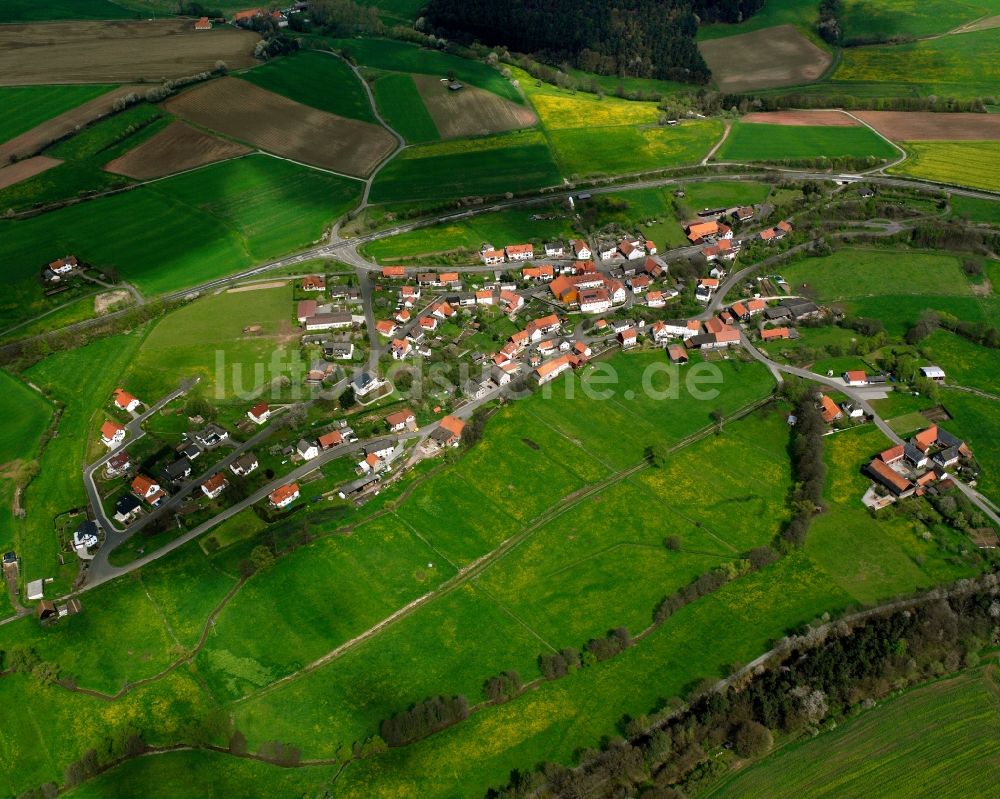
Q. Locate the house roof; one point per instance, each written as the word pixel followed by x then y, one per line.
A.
pixel 785 226
pixel 773 333
pixel 854 375
pixel 709 282
pixel 109 429
pixel 892 454
pixel 701 229
pixel 677 352
pixel 448 277
pixel 756 305
pixel 888 476
pixel 385 326
pixel 519 249
pixel 768 234
pixel 283 493
pixel 122 398
pixel 313 282
pixel 372 459
pixel 394 271
pixel 330 439
pixel 428 321
pixel 399 417
pixel 925 438
pixel 215 482
pixel 727 335
pixel 579 245
pixel 714 325
pixel 452 424
pixel 829 408
pixel 739 309
pixel 259 409
pixel 119 460
pixel 628 332
pixel 306 309
pixel 142 484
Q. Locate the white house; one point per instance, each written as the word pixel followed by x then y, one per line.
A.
pixel 259 413
pixel 365 383
pixel 681 328
pixel 214 485
pixel 581 251
pixel 383 448
pixel 519 252
pixel 491 257
pixel 932 372
pixel 401 347
pixel 594 301
pixel 284 495
pixel 126 401
pixel 555 249
pixel 607 251
pixel 856 377
pixel 307 450
pixel 112 434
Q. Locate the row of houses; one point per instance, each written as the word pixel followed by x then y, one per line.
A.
pixel 905 469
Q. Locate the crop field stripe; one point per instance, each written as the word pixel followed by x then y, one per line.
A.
pixel 476 585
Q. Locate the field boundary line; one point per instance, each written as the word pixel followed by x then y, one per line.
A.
pixel 477 586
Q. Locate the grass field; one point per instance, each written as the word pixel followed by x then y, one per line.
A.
pixel 866 19
pixel 403 57
pixel 319 80
pixel 965 363
pixel 762 142
pixel 976 210
pixel 81 379
pixel 965 65
pixel 935 740
pixel 498 227
pixel 28 414
pixel 468 167
pixel 51 10
pixel 400 104
pixel 582 152
pixel 801 13
pixel 966 163
pixel 27 106
pixel 976 420
pixel 206 339
pixel 892 286
pixel 209 223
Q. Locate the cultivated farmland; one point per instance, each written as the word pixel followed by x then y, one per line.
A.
pixel 926 125
pixel 468 167
pixel 22 170
pixel 319 80
pixel 965 163
pixel 470 111
pixel 174 149
pixel 779 56
pixel 267 120
pixel 28 106
pixel 109 52
pixel 800 118
pixel 759 142
pixel 403 109
pixel 938 739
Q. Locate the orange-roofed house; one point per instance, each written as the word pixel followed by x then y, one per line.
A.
pixel 385 327
pixel 856 377
pixel 259 413
pixel 542 272
pixel 708 282
pixel 449 278
pixel 126 401
pixel 313 283
pixel 925 439
pixel 628 338
pixel 739 311
pixel 331 439
pixel 428 323
pixel 551 370
pixel 511 301
pixel 394 272
pixel 727 337
pixel 148 490
pixel 677 354
pixel 203 24
pixel 519 252
pixel 829 408
pixel 756 306
pixel 245 17
pixel 443 310
pixel 892 455
pixel 700 231
pixel 654 299
pixel 564 289
pixel 783 227
pixel 401 420
pixel 581 250
pixel 491 257
pixel 306 310
pixel 214 485
pixel 536 328
pixel 890 478
pixel 484 297
pixel 775 334
pixel 401 347
pixel 767 235
pixel 448 432
pixel 284 496
pixel 714 325
pixel 112 434
pixel 403 316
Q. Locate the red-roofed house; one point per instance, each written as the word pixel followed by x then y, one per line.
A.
pixel 126 401
pixel 403 316
pixel 727 337
pixel 284 496
pixel 890 478
pixel 394 272
pixel 259 413
pixel 484 297
pixel 385 327
pixel 856 377
pixel 428 323
pixel 511 301
pixel 925 439
pixel 519 252
pixel 775 334
pixel 214 485
pixel 401 347
pixel 677 354
pixel 401 420
pixel 491 257
pixel 203 24
pixel 829 408
pixel 542 272
pixel 449 432
pixel 739 311
pixel 893 455
pixel 112 434
pixel 313 283
pixel 628 338
pixel 147 489
pixel 756 306
pixel 594 300
pixel 306 310
pixel 654 299
pixel 331 439
pixel 714 325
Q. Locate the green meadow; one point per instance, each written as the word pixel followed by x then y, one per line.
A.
pixel 895 287
pixel 765 142
pixel 975 210
pixel 399 56
pixel 320 80
pixel 965 163
pixel 975 420
pixel 401 106
pixel 27 414
pixel 936 739
pixel 28 106
pixel 209 223
pixel 867 20
pixel 468 167
pixel 964 362
pixel 54 10
pixel 801 13
pixel 498 227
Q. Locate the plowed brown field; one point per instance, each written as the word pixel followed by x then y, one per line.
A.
pixel 928 126
pixel 274 123
pixel 778 56
pixel 470 111
pixel 831 118
pixel 116 52
pixel 22 170
pixel 174 149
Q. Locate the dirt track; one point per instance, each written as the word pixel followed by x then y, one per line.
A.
pixel 470 111
pixel 929 126
pixel 174 149
pixel 778 56
pixel 22 170
pixel 831 118
pixel 116 52
pixel 274 123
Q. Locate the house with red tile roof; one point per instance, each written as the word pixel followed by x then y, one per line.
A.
pixel 147 489
pixel 519 252
pixel 394 272
pixel 126 401
pixel 259 413
pixel 550 370
pixel 401 347
pixel 314 283
pixel 654 299
pixel 203 24
pixel 775 334
pixel 402 316
pixel 443 310
pixel 594 300
pixel 677 354
pixel 829 409
pixel 385 327
pixel 331 439
pixel 283 496
pixel 448 432
pixel 511 301
pixel 112 434
pixel 856 377
pixel 714 325
pixel 727 337
pixel 492 257
pixel 484 297
pixel 890 478
pixel 306 310
pixel 118 463
pixel 541 272
pixel 214 485
pixel 892 455
pixel 401 420
pixel 756 306
pixel 581 250
pixel 428 323
pixel 628 338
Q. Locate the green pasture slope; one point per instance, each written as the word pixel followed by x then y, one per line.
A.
pixel 863 19
pixel 468 167
pixel 401 106
pixel 976 420
pixel 54 10
pixel 178 232
pixel 895 287
pixel 765 142
pixel 28 106
pixel 398 56
pixel 84 156
pixel 315 79
pixel 935 740
pixel 27 414
pixel 965 363
pixel 498 227
pixel 976 210
pixel 801 13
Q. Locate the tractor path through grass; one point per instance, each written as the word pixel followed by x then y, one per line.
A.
pixel 718 144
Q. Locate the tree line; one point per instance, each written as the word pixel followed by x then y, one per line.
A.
pixel 828 671
pixel 637 38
